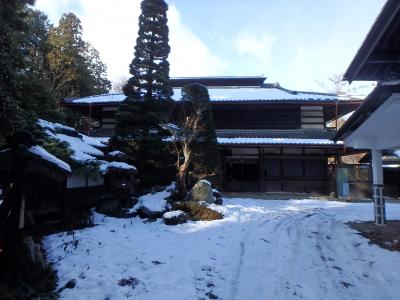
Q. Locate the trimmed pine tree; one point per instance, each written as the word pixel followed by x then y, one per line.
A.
pixel 199 139
pixel 148 100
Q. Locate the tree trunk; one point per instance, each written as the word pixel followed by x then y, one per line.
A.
pixel 183 171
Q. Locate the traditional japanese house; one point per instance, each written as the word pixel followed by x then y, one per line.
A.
pixel 271 138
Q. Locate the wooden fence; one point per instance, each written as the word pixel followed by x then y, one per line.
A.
pixel 83 196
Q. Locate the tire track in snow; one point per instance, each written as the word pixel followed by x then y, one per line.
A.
pixel 235 282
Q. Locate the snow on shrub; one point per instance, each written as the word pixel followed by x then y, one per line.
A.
pixel 173 214
pixel 153 205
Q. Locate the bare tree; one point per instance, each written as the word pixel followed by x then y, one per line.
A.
pixel 335 84
pixel 194 140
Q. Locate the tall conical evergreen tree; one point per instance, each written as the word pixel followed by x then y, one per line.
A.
pixel 139 132
pixel 150 67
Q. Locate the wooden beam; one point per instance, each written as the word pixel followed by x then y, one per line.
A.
pixel 388 57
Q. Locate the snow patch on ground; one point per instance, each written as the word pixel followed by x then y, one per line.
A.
pixel 297 249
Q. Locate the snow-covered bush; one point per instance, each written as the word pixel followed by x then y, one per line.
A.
pixel 174 217
pixel 153 205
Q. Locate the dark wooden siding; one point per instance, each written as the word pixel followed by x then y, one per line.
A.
pixel 286 171
pixel 243 117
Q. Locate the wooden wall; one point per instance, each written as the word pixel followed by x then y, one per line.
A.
pixel 280 169
pixel 312 117
pixel 257 117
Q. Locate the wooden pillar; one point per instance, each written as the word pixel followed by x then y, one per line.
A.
pixel 377 187
pixel 260 168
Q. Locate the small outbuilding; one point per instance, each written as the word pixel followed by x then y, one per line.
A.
pixel 33 183
pixel 375 125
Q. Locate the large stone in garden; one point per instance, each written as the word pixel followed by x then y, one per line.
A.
pixel 201 191
pixel 174 217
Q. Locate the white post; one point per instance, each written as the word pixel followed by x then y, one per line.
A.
pixel 377 187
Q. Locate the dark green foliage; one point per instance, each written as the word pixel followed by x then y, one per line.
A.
pixel 74 66
pixel 59 149
pixel 200 135
pixel 37 100
pixel 150 67
pixel 39 64
pixel 34 42
pixel 141 137
pixel 62 151
pixel 139 133
pixel 11 63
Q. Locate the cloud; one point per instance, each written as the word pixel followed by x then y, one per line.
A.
pixel 189 55
pixel 111 27
pixel 255 46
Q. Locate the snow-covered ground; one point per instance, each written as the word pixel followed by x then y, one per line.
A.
pixel 298 249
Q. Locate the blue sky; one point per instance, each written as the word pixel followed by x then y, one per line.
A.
pixel 294 42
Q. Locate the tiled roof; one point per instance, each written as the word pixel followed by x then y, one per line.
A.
pixel 281 137
pixel 292 133
pixel 228 94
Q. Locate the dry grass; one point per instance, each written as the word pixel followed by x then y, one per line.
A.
pixel 197 212
pixel 386 236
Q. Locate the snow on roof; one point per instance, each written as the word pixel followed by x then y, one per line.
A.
pixel 117 97
pixel 100 142
pixel 49 157
pixel 285 141
pixel 391 166
pixel 53 126
pixel 263 94
pixel 82 150
pixel 116 153
pixel 227 94
pixel 105 166
pixel 83 146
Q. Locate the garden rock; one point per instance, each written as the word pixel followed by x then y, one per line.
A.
pixel 201 191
